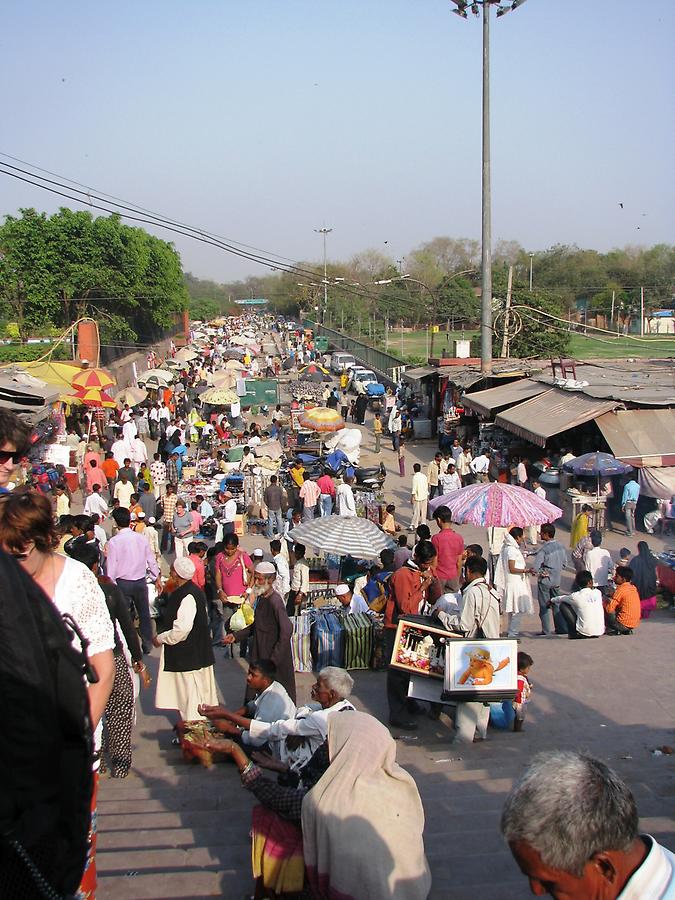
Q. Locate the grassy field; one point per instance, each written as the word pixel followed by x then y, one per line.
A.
pixel 581 347
pixel 414 343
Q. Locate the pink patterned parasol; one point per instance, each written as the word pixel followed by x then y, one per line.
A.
pixel 497 504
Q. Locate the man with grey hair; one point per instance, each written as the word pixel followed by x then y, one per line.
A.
pixel 309 728
pixel 572 826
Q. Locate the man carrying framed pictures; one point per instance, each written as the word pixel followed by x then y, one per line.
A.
pixel 478 617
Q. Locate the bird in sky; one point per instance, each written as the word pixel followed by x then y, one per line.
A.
pixel 621 205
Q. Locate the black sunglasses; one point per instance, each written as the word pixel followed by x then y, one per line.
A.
pixel 6 455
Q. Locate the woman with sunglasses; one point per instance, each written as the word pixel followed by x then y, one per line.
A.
pixel 13 444
pixel 28 533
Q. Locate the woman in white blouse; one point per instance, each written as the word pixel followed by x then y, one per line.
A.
pixel 511 581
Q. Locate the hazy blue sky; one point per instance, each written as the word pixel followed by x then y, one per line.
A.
pixel 264 119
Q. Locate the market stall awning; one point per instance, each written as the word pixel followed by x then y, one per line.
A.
pixel 550 413
pixel 419 372
pixel 641 437
pixel 486 402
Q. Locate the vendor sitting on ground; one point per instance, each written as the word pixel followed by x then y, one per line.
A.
pixel 301 736
pixel 582 610
pixel 389 525
pixel 351 602
pixel 336 836
pixel 622 611
pixel 271 704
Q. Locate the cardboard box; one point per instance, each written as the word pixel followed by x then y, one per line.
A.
pixel 239 524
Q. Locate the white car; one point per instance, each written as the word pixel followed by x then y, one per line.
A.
pixel 361 379
pixel 340 361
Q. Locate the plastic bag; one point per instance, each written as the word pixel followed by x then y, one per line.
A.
pixel 242 618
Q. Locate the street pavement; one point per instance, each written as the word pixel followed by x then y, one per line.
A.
pixel 173 829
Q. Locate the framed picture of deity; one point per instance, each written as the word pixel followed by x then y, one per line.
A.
pixel 479 669
pixel 420 647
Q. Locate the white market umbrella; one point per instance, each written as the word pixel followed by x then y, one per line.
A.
pixel 344 535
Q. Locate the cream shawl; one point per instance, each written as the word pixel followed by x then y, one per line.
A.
pixel 362 823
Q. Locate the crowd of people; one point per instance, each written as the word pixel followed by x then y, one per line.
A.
pixel 337 816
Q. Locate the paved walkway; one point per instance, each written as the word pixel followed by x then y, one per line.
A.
pixel 177 830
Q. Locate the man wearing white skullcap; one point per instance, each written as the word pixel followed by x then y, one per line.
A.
pixel 352 603
pixel 186 677
pixel 271 630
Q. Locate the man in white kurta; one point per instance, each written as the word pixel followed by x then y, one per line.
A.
pixel 185 679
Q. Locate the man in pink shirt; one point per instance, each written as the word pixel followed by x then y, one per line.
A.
pixel 309 494
pixel 327 487
pixel 449 548
pixel 94 474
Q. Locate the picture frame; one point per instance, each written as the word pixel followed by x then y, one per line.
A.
pixel 420 647
pixel 481 669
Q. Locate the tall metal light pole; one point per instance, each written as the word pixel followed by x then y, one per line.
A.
pixel 531 263
pixel 324 231
pixel 486 218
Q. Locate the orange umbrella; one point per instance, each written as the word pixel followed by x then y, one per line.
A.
pixel 91 397
pixel 92 378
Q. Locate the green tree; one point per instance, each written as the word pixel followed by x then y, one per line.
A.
pixel 28 291
pixel 204 309
pixel 54 270
pixel 531 334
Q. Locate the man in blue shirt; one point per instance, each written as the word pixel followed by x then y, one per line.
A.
pixel 631 492
pixel 548 564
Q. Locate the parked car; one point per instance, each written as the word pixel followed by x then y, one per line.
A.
pixel 361 379
pixel 340 361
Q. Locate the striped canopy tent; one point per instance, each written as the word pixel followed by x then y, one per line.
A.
pixel 501 505
pixel 322 420
pixel 344 535
pixel 98 379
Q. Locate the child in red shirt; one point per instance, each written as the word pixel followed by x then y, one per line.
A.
pixel 524 690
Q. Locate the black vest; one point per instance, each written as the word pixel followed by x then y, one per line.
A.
pixel 195 652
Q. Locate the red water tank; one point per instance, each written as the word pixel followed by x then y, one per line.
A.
pixel 88 344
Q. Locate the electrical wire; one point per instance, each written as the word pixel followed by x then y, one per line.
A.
pixel 168 224
pixel 642 340
pixel 136 206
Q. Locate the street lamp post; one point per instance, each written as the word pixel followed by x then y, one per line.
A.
pixel 531 262
pixel 324 231
pixel 486 218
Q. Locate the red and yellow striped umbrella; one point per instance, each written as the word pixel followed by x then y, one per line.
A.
pixel 91 397
pixel 92 378
pixel 322 419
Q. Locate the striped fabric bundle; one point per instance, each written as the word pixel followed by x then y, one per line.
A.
pixel 300 644
pixel 358 640
pixel 328 639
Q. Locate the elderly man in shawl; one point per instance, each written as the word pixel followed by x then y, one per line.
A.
pixel 354 828
pixel 271 630
pixel 185 678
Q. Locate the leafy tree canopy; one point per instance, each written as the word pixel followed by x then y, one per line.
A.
pixel 55 269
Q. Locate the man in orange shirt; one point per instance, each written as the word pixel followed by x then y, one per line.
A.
pixel 407 587
pixel 622 611
pixel 110 467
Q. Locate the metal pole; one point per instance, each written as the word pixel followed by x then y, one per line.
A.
pixel 531 259
pixel 427 341
pixel 642 312
pixel 505 339
pixel 486 255
pixel 611 318
pixel 386 332
pixel 325 277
